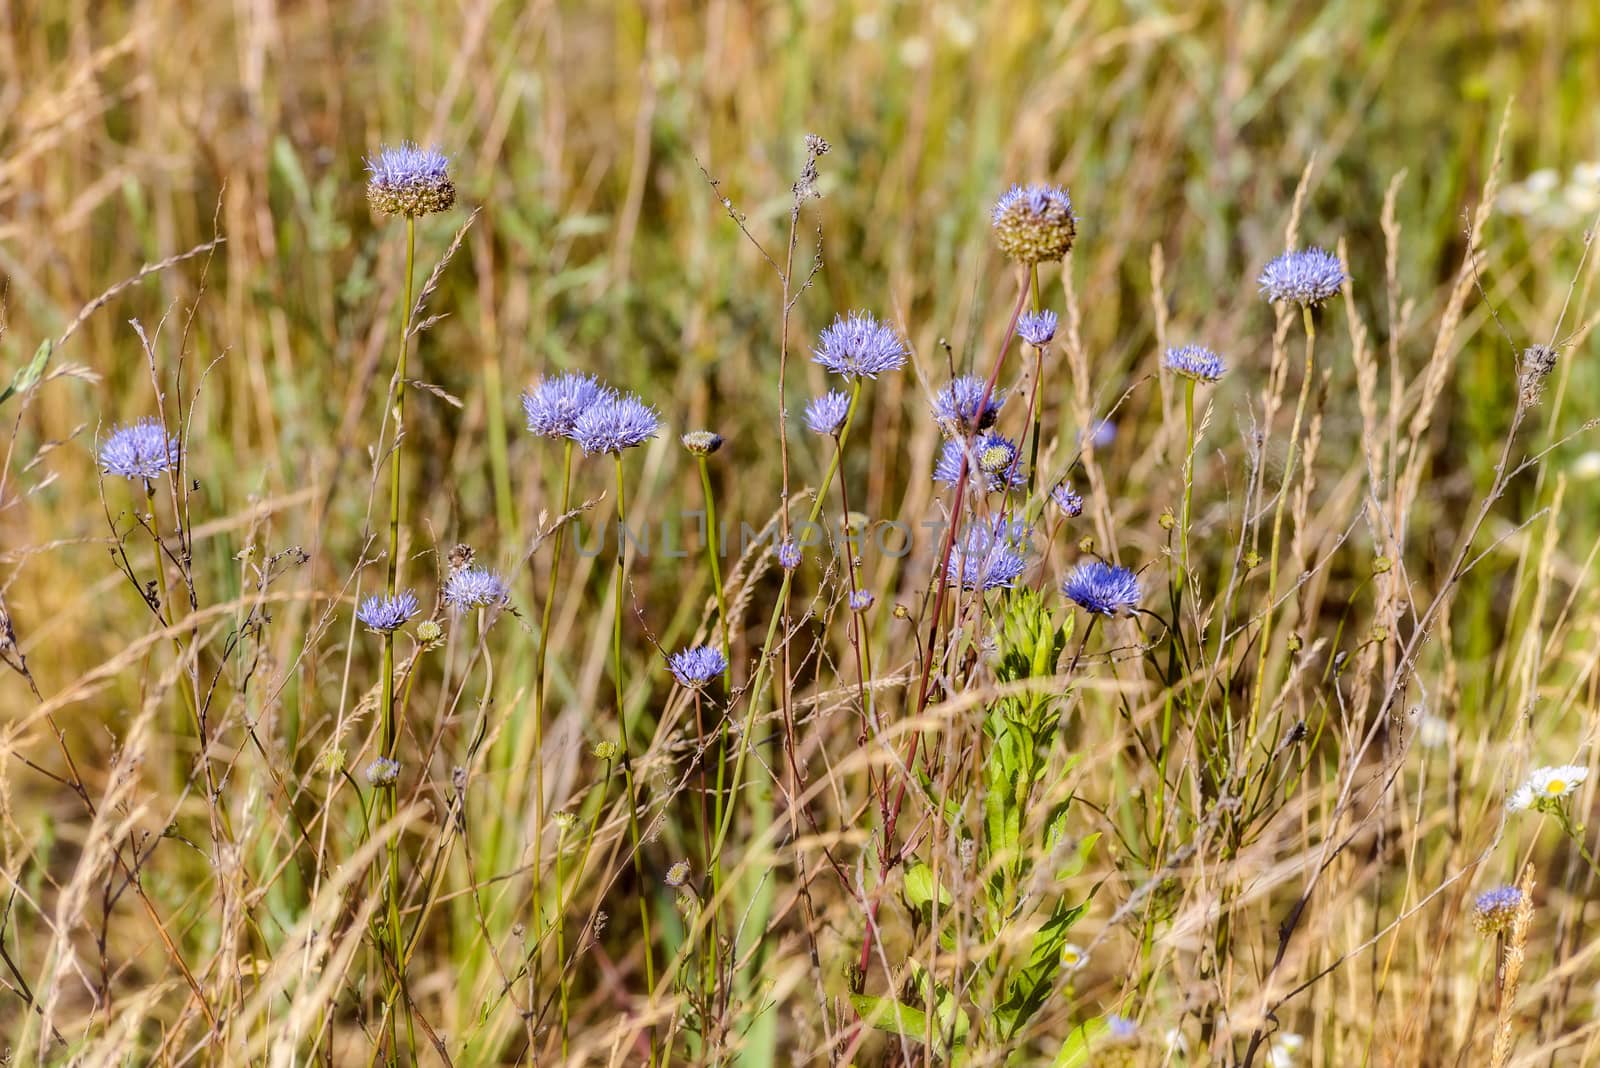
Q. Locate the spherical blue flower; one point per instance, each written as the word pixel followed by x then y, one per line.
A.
pixel 387 614
pixel 1196 362
pixel 1102 434
pixel 1037 328
pixel 1102 588
pixel 139 450
pixel 1494 909
pixel 960 408
pixel 861 600
pixel 993 458
pixel 614 423
pixel 827 413
pixel 788 555
pixel 383 772
pixel 1307 277
pixel 1034 223
pixel 1069 501
pixel 475 587
pixel 554 404
pixel 1121 1031
pixel 989 556
pixel 858 346
pixel 410 181
pixel 697 665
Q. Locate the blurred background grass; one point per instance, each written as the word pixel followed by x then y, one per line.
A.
pixel 130 132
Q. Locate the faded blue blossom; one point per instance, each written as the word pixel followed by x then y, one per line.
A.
pixel 142 449
pixel 960 408
pixel 788 555
pixel 615 422
pixel 1037 328
pixel 1068 500
pixel 858 346
pixel 383 772
pixel 1034 223
pixel 1494 910
pixel 409 180
pixel 1307 277
pixel 861 600
pixel 826 414
pixel 988 556
pixel 475 587
pixel 553 405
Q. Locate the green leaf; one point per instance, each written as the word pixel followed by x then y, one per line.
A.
pixel 887 1014
pixel 920 888
pixel 28 377
pixel 1074 1052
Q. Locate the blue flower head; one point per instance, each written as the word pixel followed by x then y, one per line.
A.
pixel 554 404
pixel 614 423
pixel 1034 223
pixel 1194 362
pixel 1494 909
pixel 858 346
pixel 861 600
pixel 1102 434
pixel 1121 1031
pixel 826 414
pixel 475 587
pixel 1307 277
pixel 383 772
pixel 993 458
pixel 697 665
pixel 1037 328
pixel 989 556
pixel 139 450
pixel 788 555
pixel 960 408
pixel 1102 588
pixel 387 614
pixel 410 181
pixel 1068 500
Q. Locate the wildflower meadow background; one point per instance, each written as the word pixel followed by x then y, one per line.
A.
pixel 834 533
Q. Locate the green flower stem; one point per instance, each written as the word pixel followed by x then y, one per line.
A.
pixel 1277 524
pixel 1035 402
pixel 713 550
pixel 390 732
pixel 627 762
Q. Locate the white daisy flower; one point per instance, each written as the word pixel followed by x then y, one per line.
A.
pixel 1547 784
pixel 1073 956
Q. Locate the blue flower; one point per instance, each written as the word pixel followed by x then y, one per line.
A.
pixel 697 665
pixel 475 587
pixel 1102 588
pixel 1494 909
pixel 554 404
pixel 1066 499
pixel 1307 277
pixel 139 450
pixel 861 600
pixel 788 555
pixel 993 456
pixel 1121 1031
pixel 383 772
pixel 959 408
pixel 410 181
pixel 1037 328
pixel 827 413
pixel 1196 362
pixel 614 423
pixel 989 556
pixel 1034 223
pixel 858 346
pixel 387 614
pixel 1102 434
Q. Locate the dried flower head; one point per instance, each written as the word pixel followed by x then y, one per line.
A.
pixel 1538 361
pixel 826 414
pixel 387 614
pixel 858 346
pixel 993 458
pixel 475 587
pixel 142 449
pixel 678 874
pixel 1307 277
pixel 409 181
pixel 1037 328
pixel 698 665
pixel 614 423
pixel 1068 500
pixel 1494 910
pixel 553 405
pixel 1034 223
pixel 383 772
pixel 1102 588
pixel 1194 362
pixel 702 442
pixel 1545 787
pixel 960 408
